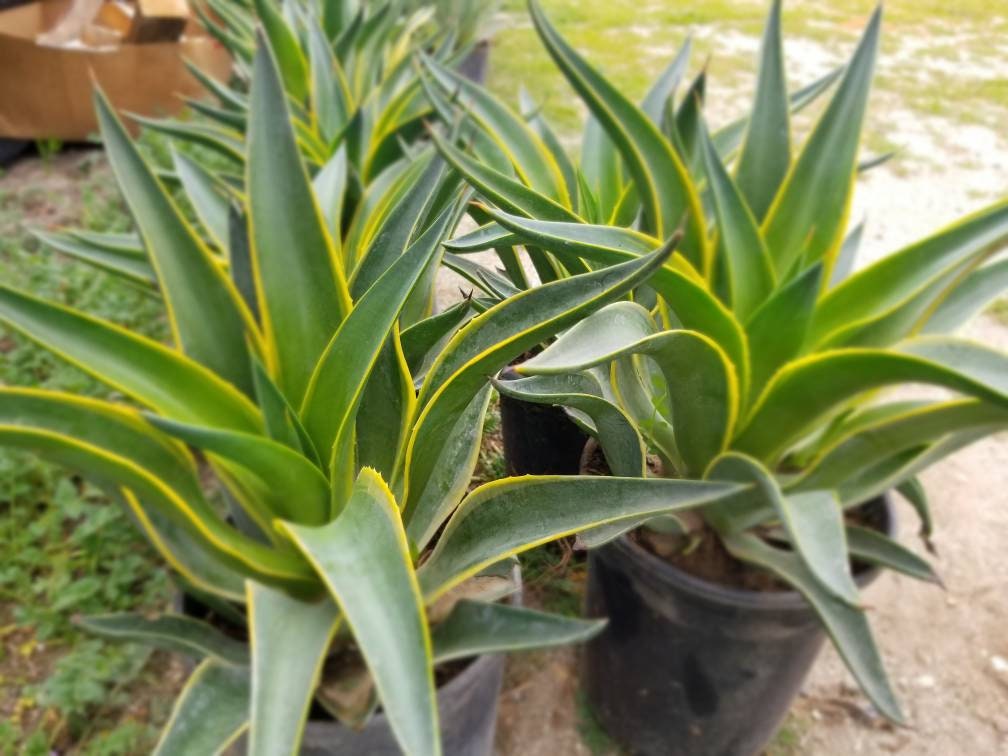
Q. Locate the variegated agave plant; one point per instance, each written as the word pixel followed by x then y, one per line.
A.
pixel 756 354
pixel 347 525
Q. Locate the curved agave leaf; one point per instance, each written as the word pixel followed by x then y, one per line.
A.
pixel 748 271
pixel 132 265
pixel 865 445
pixel 474 628
pixel 809 214
pixel 492 340
pixel 533 115
pixel 677 282
pixel 210 713
pixel 492 523
pixel 158 377
pixel 661 179
pixel 290 486
pixel 362 554
pixel 174 632
pixel 847 256
pixel 847 627
pixel 287 47
pixel 664 88
pixel 702 387
pixel 872 547
pixel 766 152
pixel 289 640
pixel 532 161
pixel 302 291
pixel 338 382
pixel 330 93
pixel 804 390
pixel 968 298
pixel 813 521
pixel 202 191
pixel 423 341
pixel 208 318
pixel 885 285
pixel 227 143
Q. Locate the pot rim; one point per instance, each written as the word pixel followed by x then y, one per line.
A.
pixel 741 597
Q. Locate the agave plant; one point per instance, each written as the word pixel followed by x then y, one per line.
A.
pixel 347 528
pixel 356 105
pixel 755 354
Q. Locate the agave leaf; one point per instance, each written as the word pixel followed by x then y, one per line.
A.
pixel 133 267
pixel 210 204
pixel 283 682
pixel 863 446
pixel 530 157
pixel 451 472
pixel 491 341
pixel 225 142
pixel 873 547
pixel 847 257
pixel 474 628
pixel 532 113
pixel 240 259
pixel 804 390
pixel 809 214
pixel 813 521
pixel 847 627
pixel 301 288
pixel 747 267
pixel 154 375
pixel 291 486
pixel 287 48
pixel 677 282
pixel 968 298
pixel 331 99
pixel 687 126
pixel 227 96
pixel 210 713
pixel 702 387
pixel 280 419
pixel 882 286
pixel 766 152
pixel 423 341
pixel 362 554
pixel 509 193
pixel 913 491
pixel 330 187
pixel 492 524
pixel 173 632
pixel 662 181
pixel 778 329
pixel 386 409
pixel 341 374
pixel 208 318
pixel 665 85
pixel 640 403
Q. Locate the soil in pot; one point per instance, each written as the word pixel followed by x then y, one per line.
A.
pixel 703 655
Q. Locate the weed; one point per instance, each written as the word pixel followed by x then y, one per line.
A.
pixel 595 739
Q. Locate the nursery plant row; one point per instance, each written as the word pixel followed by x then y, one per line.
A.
pixel 696 381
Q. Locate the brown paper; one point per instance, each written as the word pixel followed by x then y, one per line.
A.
pixel 45 92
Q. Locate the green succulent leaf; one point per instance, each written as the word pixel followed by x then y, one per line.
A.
pixel 766 152
pixel 210 713
pixel 301 287
pixel 173 632
pixel 872 547
pixel 666 191
pixel 287 47
pixel 808 217
pixel 208 318
pixel 289 641
pixel 363 554
pixel 154 375
pixel 130 264
pixel 846 625
pixel 209 202
pixel 968 298
pixel 474 628
pixel 493 523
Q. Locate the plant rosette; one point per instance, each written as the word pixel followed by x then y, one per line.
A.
pixel 757 353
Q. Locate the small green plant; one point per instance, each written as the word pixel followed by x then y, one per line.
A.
pixel 755 354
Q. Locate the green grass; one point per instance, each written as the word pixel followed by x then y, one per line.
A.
pixel 65 548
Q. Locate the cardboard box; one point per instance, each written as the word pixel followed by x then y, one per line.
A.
pixel 45 91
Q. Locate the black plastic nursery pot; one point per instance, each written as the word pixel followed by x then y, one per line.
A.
pixel 687 667
pixel 539 439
